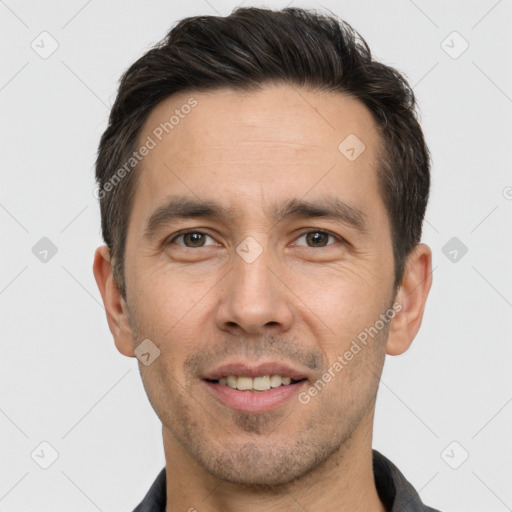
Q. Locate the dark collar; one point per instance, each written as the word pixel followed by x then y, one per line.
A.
pixel 397 494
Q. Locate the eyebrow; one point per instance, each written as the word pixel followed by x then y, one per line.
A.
pixel 179 208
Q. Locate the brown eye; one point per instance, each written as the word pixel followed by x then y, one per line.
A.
pixel 317 238
pixel 191 239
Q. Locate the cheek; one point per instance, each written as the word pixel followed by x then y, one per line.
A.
pixel 164 299
pixel 343 312
pixel 345 300
pixel 176 316
pixel 355 369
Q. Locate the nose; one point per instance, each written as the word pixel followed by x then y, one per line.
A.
pixel 255 298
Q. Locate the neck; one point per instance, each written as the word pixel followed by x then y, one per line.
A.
pixel 343 483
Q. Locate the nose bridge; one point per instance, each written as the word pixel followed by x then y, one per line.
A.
pixel 253 297
pixel 251 267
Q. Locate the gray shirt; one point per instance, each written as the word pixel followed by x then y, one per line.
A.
pixel 395 492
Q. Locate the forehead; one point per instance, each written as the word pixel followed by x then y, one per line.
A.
pixel 240 147
pixel 277 113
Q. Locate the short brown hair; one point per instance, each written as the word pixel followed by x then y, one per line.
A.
pixel 246 50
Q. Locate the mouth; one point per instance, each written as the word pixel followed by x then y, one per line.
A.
pixel 260 388
pixel 259 384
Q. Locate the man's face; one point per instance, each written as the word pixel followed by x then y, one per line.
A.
pixel 256 289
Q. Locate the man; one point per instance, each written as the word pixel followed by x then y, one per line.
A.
pixel 262 185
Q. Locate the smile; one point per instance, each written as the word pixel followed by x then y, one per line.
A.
pixel 260 383
pixel 258 394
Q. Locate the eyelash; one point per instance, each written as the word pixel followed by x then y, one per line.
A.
pixel 187 231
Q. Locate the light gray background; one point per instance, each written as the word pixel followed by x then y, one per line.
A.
pixel 62 380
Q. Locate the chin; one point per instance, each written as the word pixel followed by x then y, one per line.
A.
pixel 259 467
pixel 263 479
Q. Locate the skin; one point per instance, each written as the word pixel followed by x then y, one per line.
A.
pixel 303 300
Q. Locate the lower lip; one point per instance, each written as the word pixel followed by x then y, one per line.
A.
pixel 254 401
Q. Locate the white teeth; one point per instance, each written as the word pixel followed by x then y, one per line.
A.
pixel 260 383
pixel 276 381
pixel 244 383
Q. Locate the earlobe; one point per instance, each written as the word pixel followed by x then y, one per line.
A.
pixel 118 316
pixel 412 297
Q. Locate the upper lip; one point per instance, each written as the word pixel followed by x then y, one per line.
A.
pixel 255 370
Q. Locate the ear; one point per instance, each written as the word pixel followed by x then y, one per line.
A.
pixel 118 316
pixel 412 296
